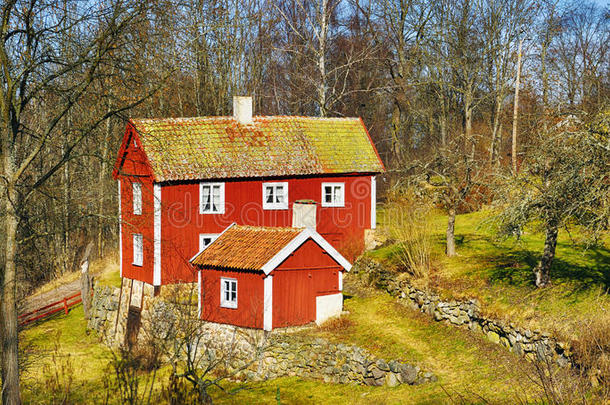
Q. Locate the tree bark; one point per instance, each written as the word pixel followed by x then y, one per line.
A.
pixel 516 110
pixel 8 307
pixel 542 271
pixel 450 250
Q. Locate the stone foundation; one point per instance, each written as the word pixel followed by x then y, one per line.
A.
pixel 247 354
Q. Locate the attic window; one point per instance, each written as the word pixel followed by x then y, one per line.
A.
pixel 211 198
pixel 333 194
pixel 275 196
pixel 137 198
pixel 228 292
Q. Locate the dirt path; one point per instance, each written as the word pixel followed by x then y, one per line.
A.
pixel 40 300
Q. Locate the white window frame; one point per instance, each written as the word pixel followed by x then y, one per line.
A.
pixel 138 249
pixel 223 302
pixel 136 194
pixel 275 205
pixel 221 203
pixel 333 203
pixel 203 236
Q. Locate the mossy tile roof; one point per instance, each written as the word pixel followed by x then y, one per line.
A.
pixel 220 147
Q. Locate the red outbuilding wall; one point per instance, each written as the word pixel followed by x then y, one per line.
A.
pixel 307 273
pixel 250 290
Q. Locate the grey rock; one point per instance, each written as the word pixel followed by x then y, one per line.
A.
pixel 408 373
pixel 383 365
pixel 391 380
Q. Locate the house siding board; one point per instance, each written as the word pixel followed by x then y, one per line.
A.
pixel 181 222
pixel 250 290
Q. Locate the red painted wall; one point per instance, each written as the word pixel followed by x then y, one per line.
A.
pixel 135 168
pixel 250 296
pixel 181 222
pixel 307 273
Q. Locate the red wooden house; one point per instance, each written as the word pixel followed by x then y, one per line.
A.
pixel 182 181
pixel 263 277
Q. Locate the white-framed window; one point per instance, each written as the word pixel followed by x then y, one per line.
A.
pixel 211 198
pixel 137 198
pixel 275 196
pixel 138 249
pixel 205 239
pixel 333 194
pixel 228 292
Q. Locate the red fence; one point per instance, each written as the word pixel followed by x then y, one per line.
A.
pixel 48 310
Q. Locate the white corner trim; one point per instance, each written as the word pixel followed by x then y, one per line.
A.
pixel 340 281
pixel 373 202
pixel 157 234
pixel 199 294
pixel 298 241
pixel 219 235
pixel 120 233
pixel 268 303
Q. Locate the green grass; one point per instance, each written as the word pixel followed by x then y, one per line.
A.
pixel 499 274
pixel 63 355
pixel 464 363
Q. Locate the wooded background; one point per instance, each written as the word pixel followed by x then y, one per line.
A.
pixel 422 74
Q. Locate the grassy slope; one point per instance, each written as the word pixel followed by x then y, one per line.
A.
pixel 464 363
pixel 499 274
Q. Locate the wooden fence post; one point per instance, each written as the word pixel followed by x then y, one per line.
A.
pixel 66 305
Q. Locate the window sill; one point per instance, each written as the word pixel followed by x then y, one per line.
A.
pixel 267 208
pixel 211 213
pixel 228 306
pixel 137 264
pixel 328 205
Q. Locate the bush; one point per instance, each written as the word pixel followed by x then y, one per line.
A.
pixel 408 223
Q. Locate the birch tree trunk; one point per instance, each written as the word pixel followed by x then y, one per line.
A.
pixel 322 34
pixel 516 110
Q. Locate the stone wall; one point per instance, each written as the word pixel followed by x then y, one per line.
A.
pixel 532 344
pixel 251 354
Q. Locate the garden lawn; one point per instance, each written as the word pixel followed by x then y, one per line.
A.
pixel 498 273
pixel 465 364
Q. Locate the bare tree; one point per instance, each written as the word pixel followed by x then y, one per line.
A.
pixel 37 76
pixel 565 182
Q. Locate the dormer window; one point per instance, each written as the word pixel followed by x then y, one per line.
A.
pixel 137 198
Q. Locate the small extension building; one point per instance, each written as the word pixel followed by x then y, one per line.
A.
pixel 182 181
pixel 265 278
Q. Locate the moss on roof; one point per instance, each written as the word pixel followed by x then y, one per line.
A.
pixel 220 147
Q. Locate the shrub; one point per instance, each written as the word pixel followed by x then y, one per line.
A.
pixel 408 223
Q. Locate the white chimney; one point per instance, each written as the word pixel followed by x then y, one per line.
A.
pixel 242 109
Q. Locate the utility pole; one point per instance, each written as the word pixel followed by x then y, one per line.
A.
pixel 516 109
